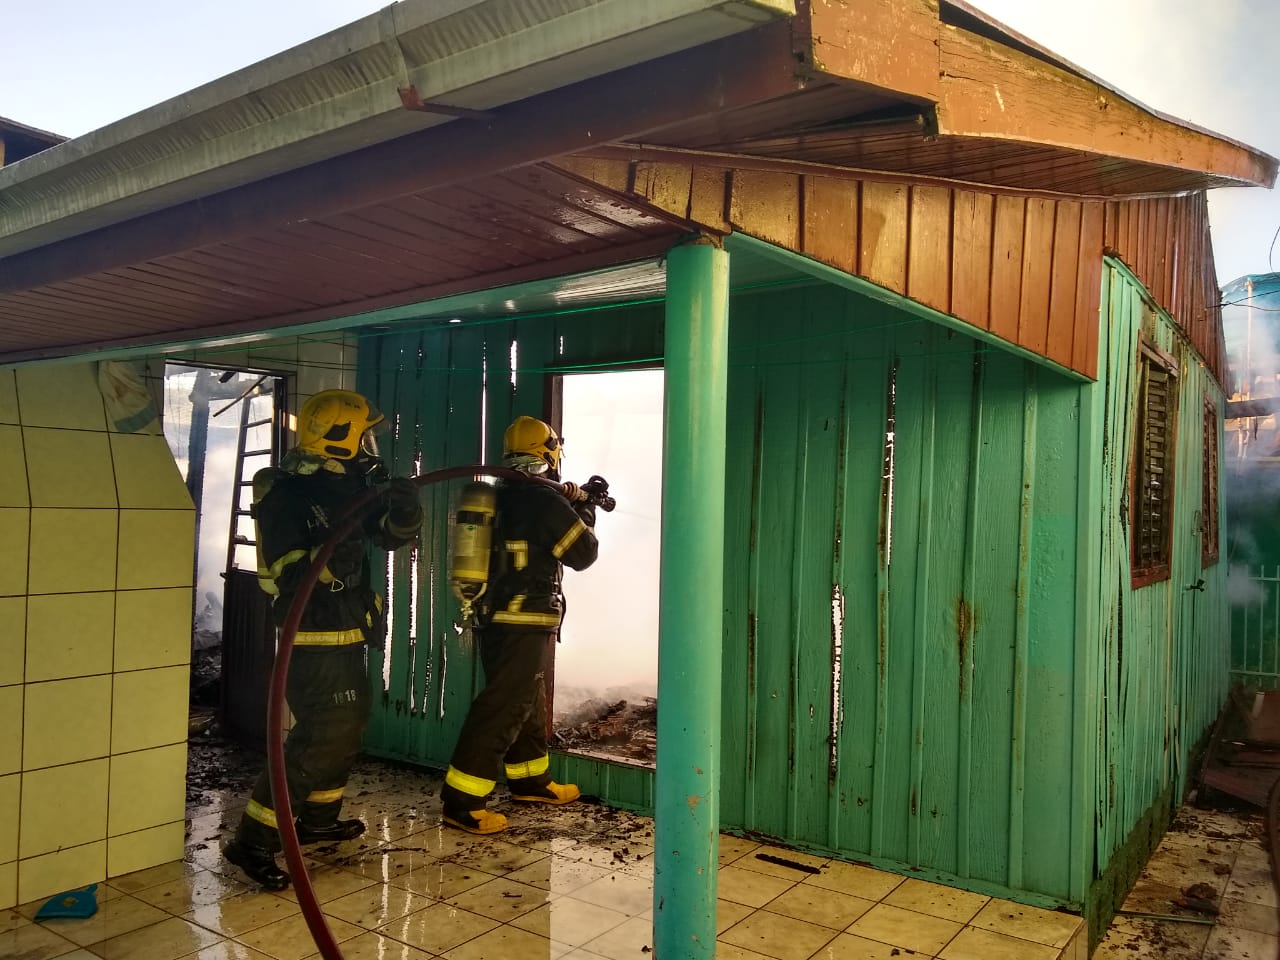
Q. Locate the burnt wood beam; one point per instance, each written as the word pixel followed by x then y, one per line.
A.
pixel 729 74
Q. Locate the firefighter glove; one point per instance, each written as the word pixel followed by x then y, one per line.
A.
pixel 587 513
pixel 403 506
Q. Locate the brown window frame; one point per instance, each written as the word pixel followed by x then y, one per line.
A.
pixel 1148 565
pixel 1210 493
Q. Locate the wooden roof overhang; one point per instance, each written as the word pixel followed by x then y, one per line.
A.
pixel 884 87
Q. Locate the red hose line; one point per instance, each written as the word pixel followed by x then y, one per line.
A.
pixel 346 523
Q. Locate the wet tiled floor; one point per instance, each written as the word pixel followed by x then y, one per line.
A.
pixel 1211 876
pixel 572 882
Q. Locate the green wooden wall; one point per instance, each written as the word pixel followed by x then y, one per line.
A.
pixel 925 582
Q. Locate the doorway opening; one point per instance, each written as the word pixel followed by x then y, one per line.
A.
pixel 223 425
pixel 606 665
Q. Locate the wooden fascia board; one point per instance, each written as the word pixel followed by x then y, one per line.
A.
pixel 887 44
pixel 992 91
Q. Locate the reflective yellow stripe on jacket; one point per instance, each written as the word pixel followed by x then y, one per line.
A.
pixel 331 638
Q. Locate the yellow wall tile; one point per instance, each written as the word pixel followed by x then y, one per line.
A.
pixel 157 548
pixel 146 848
pixel 65 721
pixel 10 719
pixel 73 551
pixel 153 628
pixel 67 869
pixel 149 708
pixel 13 480
pixel 146 474
pixel 69 635
pixel 69 468
pixel 14 525
pixel 63 807
pixel 13 632
pixel 61 395
pixel 10 788
pixel 8 885
pixel 148 788
pixel 8 397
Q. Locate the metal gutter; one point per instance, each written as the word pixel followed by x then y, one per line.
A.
pixel 343 91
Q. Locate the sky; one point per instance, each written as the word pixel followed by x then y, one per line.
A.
pixel 71 66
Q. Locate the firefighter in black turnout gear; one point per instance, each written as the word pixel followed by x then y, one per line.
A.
pixel 505 732
pixel 296 507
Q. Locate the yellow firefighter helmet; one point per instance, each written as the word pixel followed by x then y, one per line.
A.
pixel 338 424
pixel 529 440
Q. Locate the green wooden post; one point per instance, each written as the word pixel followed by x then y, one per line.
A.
pixel 691 603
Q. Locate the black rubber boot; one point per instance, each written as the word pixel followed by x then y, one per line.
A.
pixel 334 832
pixel 258 863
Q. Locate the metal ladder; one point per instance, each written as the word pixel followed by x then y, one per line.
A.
pixel 246 459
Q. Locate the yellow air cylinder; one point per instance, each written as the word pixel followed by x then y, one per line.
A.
pixel 472 538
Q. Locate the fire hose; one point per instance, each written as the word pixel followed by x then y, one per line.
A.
pixel 346 523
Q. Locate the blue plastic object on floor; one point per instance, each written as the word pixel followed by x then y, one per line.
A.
pixel 74 904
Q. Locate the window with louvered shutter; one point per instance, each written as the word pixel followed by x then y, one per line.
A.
pixel 1151 509
pixel 1209 496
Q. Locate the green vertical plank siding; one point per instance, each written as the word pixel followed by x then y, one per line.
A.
pixel 945 669
pixel 1162 672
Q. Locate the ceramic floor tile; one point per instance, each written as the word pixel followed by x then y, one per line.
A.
pixel 386 864
pixel 728 913
pixel 571 922
pixel 783 863
pixel 849 946
pixel 440 881
pixel 1251 878
pixel 196 890
pixel 905 928
pixel 33 942
pixel 1132 939
pixel 856 880
pixel 152 877
pixel 115 916
pixel 1152 896
pixel 11 920
pixel 777 936
pixel 1215 824
pixel 1028 923
pixel 1188 860
pixel 972 943
pixel 627 941
pixel 608 856
pixel 494 856
pixel 438 928
pixel 629 895
pixel 501 899
pixel 228 950
pixel 732 848
pixel 936 900
pixel 747 886
pixel 559 874
pixel 376 905
pixel 170 939
pixel 502 943
pixel 290 938
pixel 1250 916
pixel 330 883
pixel 829 908
pixel 375 946
pixel 241 913
pixel 1234 943
pixel 731 951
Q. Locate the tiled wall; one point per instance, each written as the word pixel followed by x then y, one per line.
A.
pixel 95 633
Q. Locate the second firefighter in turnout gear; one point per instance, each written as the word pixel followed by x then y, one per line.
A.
pixel 296 508
pixel 505 732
